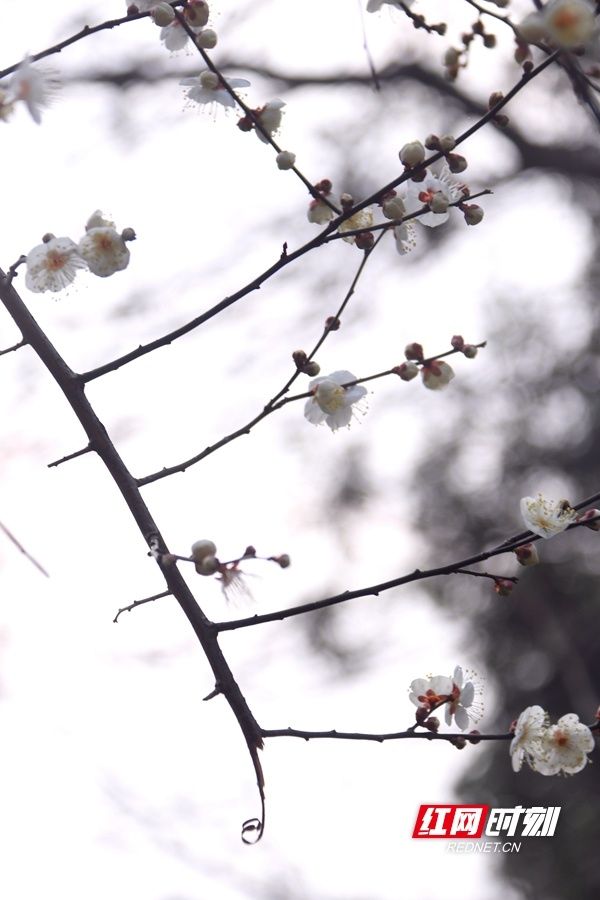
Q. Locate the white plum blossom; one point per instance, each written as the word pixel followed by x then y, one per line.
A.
pixel 550 749
pixel 441 187
pixel 269 117
pixel 562 23
pixel 331 402
pixel 207 87
pixel 546 517
pixel 174 36
pixel 464 704
pixel 565 747
pixel 526 744
pixel 34 86
pixel 53 264
pixel 319 213
pixel 405 236
pixel 430 692
pixel 361 219
pixel 103 248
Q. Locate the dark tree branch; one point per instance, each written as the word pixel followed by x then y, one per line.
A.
pixel 140 603
pixel 73 389
pixel 69 456
pixel 380 738
pixel 22 549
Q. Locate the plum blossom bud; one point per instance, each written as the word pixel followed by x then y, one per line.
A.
pixel 319 212
pixel 439 203
pixel 451 57
pixel 421 714
pixel 128 234
pixel 459 742
pixel 432 724
pixel 414 351
pixel 283 560
pixel 208 566
pixel 332 323
pixel 196 13
pixel 527 555
pixel 412 154
pixel 162 14
pixel 447 143
pixel 591 519
pixel 495 97
pixel 209 80
pixel 473 214
pixel 470 351
pixel 365 240
pixel 407 371
pixel 503 586
pixel 202 549
pixel 312 368
pixel 432 142
pixel 436 374
pixel 457 342
pixel 207 39
pixel 456 163
pixel 489 41
pixel 285 159
pixel 393 207
pixel 300 358
pixel 346 201
pixel 473 737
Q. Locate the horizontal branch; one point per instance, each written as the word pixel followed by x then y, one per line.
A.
pixel 380 738
pixel 140 603
pixel 17 346
pixel 70 456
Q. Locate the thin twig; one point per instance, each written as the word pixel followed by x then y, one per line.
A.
pixel 17 346
pixel 380 738
pixel 69 456
pixel 20 547
pixel 140 602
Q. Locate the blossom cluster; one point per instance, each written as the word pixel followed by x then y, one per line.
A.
pixel 174 36
pixel 54 263
pixel 550 749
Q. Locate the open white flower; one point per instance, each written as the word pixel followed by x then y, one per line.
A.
pixel 430 692
pixel 103 248
pixel 269 117
pixel 405 236
pixel 208 88
pixel 52 265
pixel 362 219
pixel 546 517
pixel 563 23
pixel 331 402
pixel 527 742
pixel 464 705
pixel 565 747
pixel 440 187
pixel 34 86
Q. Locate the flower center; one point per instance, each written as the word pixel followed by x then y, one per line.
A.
pixel 55 260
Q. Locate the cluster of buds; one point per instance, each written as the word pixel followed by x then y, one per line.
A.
pixel 435 373
pixel 206 562
pixel 455 59
pixel 304 364
pixel 458 343
pixel 174 36
pixel 500 119
pixel 503 586
pixel 445 145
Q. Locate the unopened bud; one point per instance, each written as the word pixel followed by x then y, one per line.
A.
pixel 300 358
pixel 459 742
pixel 473 737
pixel 283 560
pixel 202 549
pixel 332 323
pixel 407 371
pixel 419 175
pixel 162 14
pixel 447 143
pixel 324 186
pixel 209 80
pixel 432 142
pixel 501 120
pixel 312 368
pixel 245 123
pixel 527 555
pixel 364 240
pixel 128 234
pixel 503 586
pixel 456 163
pixel 208 566
pixel 591 519
pixel 473 214
pixel 470 351
pixel 451 57
pixel 457 342
pixel 285 159
pixel 489 41
pixel 522 52
pixel 346 201
pixel 249 552
pixel 412 154
pixel 495 98
pixel 432 724
pixel 439 203
pixel 393 208
pixel 414 351
pixel 207 39
pixel 421 714
pixel 196 13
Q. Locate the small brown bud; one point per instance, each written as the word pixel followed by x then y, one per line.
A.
pixel 470 351
pixel 457 342
pixel 473 214
pixel 414 351
pixel 250 551
pixel 503 586
pixel 324 186
pixel 489 41
pixel 473 739
pixel 300 358
pixel 456 163
pixel 527 555
pixel 245 123
pixel 332 323
pixel 459 742
pixel 365 240
pixel 432 142
pixel 421 713
pixel 407 371
pixel 419 175
pixel 432 724
pixel 495 98
pixel 347 201
pixel 501 120
pixel 312 368
pixel 283 560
